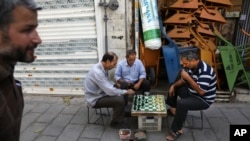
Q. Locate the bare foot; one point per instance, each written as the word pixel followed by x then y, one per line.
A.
pixel 173 110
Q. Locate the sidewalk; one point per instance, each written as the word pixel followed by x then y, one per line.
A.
pixel 48 118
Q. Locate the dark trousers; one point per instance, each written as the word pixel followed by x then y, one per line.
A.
pixel 115 102
pixel 145 87
pixel 182 105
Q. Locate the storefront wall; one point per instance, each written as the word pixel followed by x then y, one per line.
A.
pixel 74 36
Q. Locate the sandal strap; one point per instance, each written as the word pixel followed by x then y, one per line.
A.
pixel 175 135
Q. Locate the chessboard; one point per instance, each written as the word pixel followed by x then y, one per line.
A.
pixel 152 104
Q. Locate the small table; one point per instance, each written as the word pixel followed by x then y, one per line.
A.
pixel 150 110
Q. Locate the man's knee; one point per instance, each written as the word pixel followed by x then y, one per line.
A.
pixel 146 85
pixel 120 101
pixel 124 85
pixel 181 104
pixel 146 82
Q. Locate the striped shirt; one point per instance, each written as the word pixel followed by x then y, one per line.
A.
pixel 205 77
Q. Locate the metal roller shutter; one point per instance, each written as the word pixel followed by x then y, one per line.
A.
pixel 68 50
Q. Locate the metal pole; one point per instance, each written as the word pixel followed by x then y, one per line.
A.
pixel 105 5
pixel 106 30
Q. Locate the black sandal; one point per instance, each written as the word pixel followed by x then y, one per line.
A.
pixel 173 136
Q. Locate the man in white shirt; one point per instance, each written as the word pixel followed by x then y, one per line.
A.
pixel 100 91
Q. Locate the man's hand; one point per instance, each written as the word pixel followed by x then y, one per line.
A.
pixel 171 91
pixel 117 85
pixel 130 91
pixel 136 86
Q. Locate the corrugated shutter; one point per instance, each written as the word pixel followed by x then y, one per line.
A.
pixel 242 39
pixel 68 50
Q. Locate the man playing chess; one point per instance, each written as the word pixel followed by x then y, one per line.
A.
pixel 130 74
pixel 196 87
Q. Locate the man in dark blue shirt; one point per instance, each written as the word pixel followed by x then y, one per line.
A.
pixel 196 87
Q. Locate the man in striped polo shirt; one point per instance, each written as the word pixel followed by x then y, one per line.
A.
pixel 196 88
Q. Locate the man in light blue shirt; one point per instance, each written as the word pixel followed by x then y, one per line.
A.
pixel 100 91
pixel 130 74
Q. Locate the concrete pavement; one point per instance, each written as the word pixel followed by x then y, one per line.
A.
pixel 48 118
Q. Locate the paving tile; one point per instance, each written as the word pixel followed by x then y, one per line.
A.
pixel 32 131
pixel 234 116
pixel 47 117
pixel 245 112
pixel 232 105
pixel 41 107
pixel 38 98
pixel 110 134
pixel 27 98
pixel 78 100
pixel 28 107
pixel 46 138
pixel 71 109
pixel 51 113
pixel 86 139
pixel 204 135
pixel 93 131
pixel 62 119
pixel 28 119
pixel 53 130
pixel 157 136
pixel 220 126
pixel 79 119
pixel 58 124
pixel 81 116
pixel 213 111
pixel 71 133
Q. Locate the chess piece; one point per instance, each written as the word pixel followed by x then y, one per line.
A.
pixel 146 93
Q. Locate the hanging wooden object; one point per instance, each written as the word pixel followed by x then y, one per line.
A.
pixel 211 44
pixel 187 42
pixel 179 18
pixel 179 32
pixel 223 2
pixel 191 4
pixel 212 14
pixel 204 29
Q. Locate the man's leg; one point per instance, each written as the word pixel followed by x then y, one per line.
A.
pixel 145 86
pixel 182 107
pixel 124 85
pixel 115 102
pixel 182 92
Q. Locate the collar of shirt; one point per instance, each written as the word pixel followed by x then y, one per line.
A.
pixel 129 65
pixel 104 71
